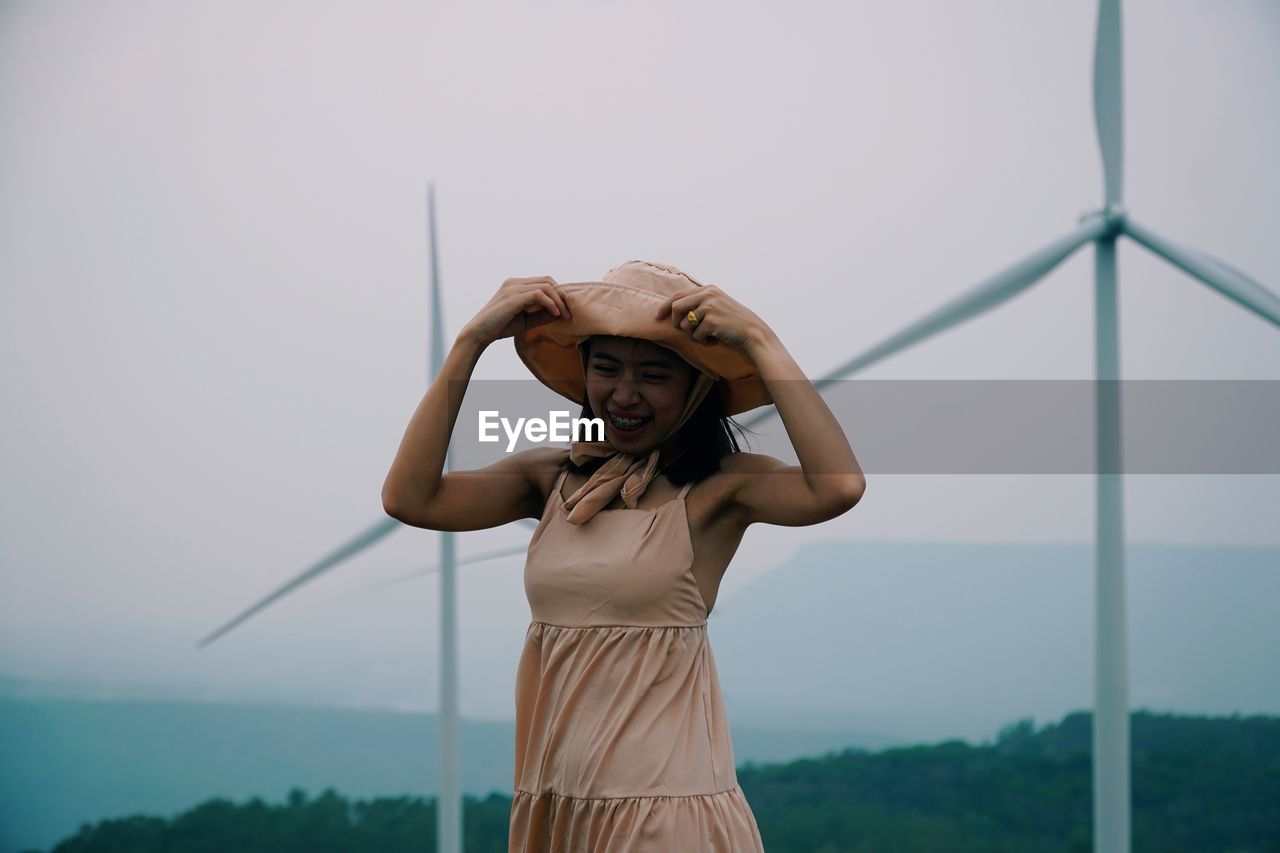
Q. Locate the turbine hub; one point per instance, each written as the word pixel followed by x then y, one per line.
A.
pixel 1112 214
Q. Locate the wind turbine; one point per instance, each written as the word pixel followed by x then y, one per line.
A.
pixel 1102 228
pixel 449 799
pixel 1111 796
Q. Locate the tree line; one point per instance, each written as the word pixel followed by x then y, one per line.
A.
pixel 1198 784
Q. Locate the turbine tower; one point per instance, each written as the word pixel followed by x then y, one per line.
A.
pixel 1111 790
pixel 1102 228
pixel 449 796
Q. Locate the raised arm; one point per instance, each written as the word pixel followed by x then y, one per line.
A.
pixel 828 481
pixel 415 491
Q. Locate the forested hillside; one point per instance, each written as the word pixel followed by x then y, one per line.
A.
pixel 1202 784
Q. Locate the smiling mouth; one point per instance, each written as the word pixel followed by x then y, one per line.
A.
pixel 627 426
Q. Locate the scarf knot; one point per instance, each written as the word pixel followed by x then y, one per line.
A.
pixel 622 473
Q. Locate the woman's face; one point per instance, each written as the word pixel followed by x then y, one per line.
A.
pixel 638 388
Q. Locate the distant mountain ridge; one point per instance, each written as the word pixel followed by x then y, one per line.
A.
pixel 1200 784
pixel 65 761
pixel 863 644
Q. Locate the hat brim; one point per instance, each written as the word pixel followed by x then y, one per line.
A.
pixel 550 351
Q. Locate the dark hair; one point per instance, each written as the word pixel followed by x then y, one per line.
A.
pixel 704 439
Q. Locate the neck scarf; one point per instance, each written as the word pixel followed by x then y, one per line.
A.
pixel 623 473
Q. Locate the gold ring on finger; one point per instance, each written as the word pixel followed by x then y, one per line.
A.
pixel 693 319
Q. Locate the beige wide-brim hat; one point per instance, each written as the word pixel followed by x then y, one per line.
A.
pixel 623 304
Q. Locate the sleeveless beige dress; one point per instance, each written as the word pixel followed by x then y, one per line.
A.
pixel 622 741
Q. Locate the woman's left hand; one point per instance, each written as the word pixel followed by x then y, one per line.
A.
pixel 721 319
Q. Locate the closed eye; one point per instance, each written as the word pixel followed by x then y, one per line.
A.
pixel 610 370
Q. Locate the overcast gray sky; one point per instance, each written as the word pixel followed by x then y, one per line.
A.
pixel 214 267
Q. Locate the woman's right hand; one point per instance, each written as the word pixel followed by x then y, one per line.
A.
pixel 519 304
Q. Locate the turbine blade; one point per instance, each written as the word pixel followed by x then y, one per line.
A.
pixel 1108 98
pixel 437 305
pixel 355 546
pixel 1000 287
pixel 1222 277
pixel 430 570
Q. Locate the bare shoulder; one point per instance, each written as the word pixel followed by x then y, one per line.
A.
pixel 715 498
pixel 541 466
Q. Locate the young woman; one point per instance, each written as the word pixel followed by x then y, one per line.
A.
pixel 622 742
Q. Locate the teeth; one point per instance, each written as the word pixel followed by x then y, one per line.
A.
pixel 627 423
